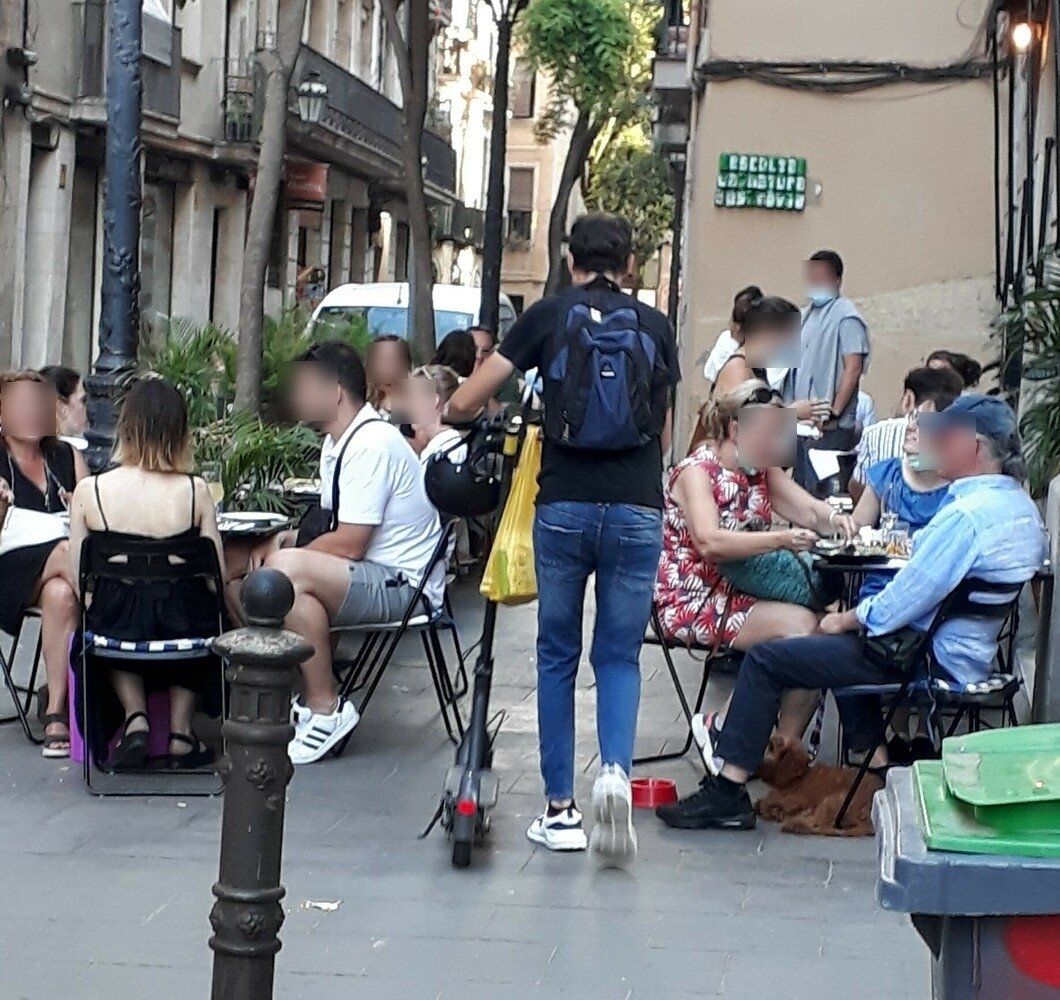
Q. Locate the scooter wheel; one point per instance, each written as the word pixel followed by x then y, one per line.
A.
pixel 461 854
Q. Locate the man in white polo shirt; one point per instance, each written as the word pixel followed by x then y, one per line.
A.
pixel 374 548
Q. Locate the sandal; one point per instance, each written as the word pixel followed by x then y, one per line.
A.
pixel 195 758
pixel 56 745
pixel 131 751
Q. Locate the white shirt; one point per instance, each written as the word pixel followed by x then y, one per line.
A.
pixel 865 415
pixel 884 439
pixel 443 441
pixel 724 348
pixel 381 484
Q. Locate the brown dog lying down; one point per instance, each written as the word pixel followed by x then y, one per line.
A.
pixel 806 799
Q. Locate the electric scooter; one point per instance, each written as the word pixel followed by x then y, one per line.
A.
pixel 471 788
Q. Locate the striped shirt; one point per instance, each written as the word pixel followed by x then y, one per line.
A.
pixel 880 442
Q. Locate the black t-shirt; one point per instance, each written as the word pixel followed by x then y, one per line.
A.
pixel 631 477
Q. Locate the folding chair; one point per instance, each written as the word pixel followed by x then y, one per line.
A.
pixel 138 562
pixel 22 697
pixel 711 656
pixel 365 670
pixel 973 599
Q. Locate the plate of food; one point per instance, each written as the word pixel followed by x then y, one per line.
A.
pixel 302 486
pixel 253 517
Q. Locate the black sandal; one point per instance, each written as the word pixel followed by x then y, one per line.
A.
pixel 132 749
pixel 193 759
pixel 53 743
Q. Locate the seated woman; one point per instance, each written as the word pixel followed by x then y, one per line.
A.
pixel 71 417
pixel 428 390
pixel 458 352
pixel 151 494
pixel 907 490
pixel 716 511
pixel 40 472
pixel 387 364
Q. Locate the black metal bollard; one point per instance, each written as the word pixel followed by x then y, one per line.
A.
pixel 262 659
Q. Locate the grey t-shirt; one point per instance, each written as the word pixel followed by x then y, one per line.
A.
pixel 829 334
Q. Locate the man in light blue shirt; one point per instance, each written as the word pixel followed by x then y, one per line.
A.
pixel 989 529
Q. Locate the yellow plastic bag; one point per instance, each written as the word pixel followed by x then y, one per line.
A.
pixel 510 577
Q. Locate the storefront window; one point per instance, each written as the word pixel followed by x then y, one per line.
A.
pixel 156 252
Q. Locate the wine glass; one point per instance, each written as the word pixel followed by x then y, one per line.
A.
pixel 212 474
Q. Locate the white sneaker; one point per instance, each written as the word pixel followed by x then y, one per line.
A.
pixel 613 841
pixel 562 831
pixel 315 735
pixel 705 731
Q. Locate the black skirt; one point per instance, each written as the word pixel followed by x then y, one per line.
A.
pixel 20 572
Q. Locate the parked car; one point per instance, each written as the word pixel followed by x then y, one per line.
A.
pixel 385 306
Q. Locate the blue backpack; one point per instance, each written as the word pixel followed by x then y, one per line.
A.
pixel 598 389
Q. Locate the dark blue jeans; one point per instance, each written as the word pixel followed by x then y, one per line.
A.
pixel 620 543
pixel 817 661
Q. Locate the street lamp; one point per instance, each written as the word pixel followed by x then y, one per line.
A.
pixel 119 321
pixel 312 98
pixel 1022 36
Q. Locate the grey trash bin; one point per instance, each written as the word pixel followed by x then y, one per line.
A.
pixel 989 920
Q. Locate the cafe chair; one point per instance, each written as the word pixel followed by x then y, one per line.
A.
pixel 712 656
pixel 140 562
pixel 992 603
pixel 362 673
pixel 22 697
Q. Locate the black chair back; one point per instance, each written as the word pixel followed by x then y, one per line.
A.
pixel 978 600
pixel 115 556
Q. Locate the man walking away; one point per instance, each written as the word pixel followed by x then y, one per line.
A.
pixel 835 354
pixel 609 365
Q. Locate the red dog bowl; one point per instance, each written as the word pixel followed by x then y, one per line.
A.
pixel 651 792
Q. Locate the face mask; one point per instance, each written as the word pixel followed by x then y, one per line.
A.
pixel 821 296
pixel 924 462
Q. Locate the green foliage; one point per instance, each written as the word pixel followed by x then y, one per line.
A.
pixel 589 49
pixel 632 180
pixel 256 453
pixel 256 457
pixel 1034 324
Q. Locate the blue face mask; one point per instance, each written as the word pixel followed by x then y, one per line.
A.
pixel 820 296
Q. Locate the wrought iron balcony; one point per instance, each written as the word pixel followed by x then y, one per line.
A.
pixel 464 225
pixel 363 116
pixel 159 64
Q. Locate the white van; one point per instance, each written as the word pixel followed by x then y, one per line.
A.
pixel 385 305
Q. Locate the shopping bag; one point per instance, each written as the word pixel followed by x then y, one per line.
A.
pixel 510 576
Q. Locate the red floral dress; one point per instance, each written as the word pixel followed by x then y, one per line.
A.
pixel 691 596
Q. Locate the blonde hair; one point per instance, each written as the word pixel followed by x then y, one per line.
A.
pixel 718 412
pixel 153 427
pixel 444 378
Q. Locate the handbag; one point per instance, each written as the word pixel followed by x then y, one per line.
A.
pixel 25 528
pixel 780 576
pixel 317 521
pixel 509 577
pixel 895 653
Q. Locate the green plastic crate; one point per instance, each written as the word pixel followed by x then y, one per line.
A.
pixel 995 792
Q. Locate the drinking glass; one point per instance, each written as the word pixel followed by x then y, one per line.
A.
pixel 212 474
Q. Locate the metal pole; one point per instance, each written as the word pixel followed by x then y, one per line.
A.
pixel 262 659
pixel 119 324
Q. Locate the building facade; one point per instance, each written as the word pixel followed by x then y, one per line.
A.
pixel 533 174
pixel 896 176
pixel 342 205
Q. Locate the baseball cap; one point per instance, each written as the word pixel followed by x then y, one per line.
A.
pixel 986 415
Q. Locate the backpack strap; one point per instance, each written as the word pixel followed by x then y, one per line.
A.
pixel 334 520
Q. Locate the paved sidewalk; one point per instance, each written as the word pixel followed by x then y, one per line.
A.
pixel 106 899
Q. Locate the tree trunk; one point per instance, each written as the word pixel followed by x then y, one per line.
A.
pixel 493 238
pixel 278 65
pixel 411 50
pixel 581 141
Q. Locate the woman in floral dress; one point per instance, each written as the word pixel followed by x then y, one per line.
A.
pixel 717 511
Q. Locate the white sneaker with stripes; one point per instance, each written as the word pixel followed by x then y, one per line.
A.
pixel 315 735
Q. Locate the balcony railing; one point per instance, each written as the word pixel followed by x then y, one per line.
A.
pixel 361 114
pixel 460 223
pixel 159 63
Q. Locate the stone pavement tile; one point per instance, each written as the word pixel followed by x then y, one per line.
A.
pixel 36 980
pixel 574 966
pixel 740 934
pixel 373 919
pixel 428 960
pixel 869 977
